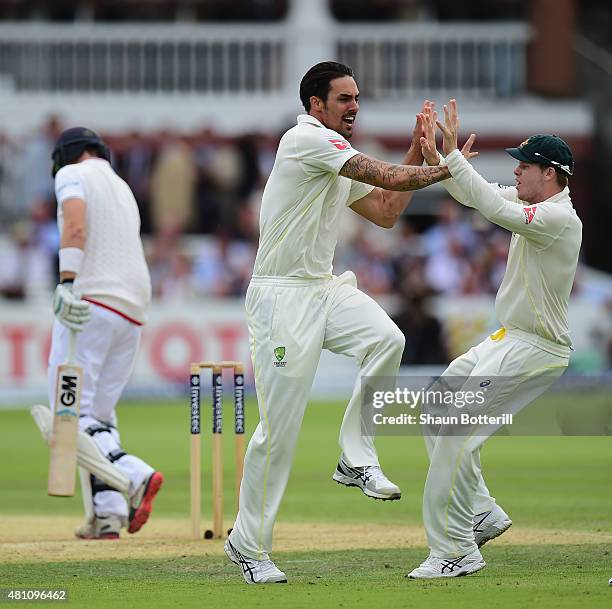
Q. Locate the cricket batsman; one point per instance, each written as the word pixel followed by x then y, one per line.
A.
pixel 524 357
pixel 103 294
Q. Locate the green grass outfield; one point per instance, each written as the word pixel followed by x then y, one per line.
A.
pixel 558 491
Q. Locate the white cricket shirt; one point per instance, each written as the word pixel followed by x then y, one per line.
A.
pixel 303 202
pixel 114 270
pixel 543 255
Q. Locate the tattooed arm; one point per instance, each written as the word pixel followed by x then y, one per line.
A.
pixel 384 207
pixel 389 176
pixel 381 206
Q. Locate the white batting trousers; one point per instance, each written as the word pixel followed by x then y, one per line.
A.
pixel 455 489
pixel 106 350
pixel 290 321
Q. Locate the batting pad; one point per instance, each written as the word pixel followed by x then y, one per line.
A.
pixel 88 455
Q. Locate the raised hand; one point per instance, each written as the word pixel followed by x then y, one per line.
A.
pixel 466 151
pixel 450 127
pixel 428 141
pixel 418 130
pixel 450 130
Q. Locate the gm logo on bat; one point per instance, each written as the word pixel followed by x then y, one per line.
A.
pixel 68 395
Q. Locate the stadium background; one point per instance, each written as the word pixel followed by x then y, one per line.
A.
pixel 192 97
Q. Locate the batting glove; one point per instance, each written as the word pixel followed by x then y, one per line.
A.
pixel 69 309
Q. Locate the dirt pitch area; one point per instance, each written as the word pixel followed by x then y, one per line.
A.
pixel 26 539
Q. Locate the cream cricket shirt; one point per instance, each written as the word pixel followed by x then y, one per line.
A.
pixel 114 270
pixel 303 202
pixel 543 256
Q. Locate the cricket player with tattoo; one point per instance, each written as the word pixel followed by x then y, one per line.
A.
pixel 296 306
pixel 524 357
pixel 104 293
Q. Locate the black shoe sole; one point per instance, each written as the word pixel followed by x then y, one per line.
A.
pixel 392 498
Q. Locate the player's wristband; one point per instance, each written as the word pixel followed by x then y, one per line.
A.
pixel 70 259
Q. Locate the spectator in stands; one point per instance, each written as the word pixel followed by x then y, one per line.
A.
pixel 134 163
pixel 488 264
pixel 222 267
pixel 425 343
pixel 208 212
pixel 162 253
pixel 371 264
pixel 173 278
pixel 14 268
pixel 248 153
pixel 35 183
pixel 227 167
pixel 10 206
pixel 451 226
pixel 447 269
pixel 173 184
pixel 447 244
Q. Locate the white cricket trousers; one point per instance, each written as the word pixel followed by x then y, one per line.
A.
pixel 106 350
pixel 520 367
pixel 290 321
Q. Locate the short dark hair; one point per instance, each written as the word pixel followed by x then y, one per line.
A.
pixel 93 150
pixel 316 80
pixel 562 178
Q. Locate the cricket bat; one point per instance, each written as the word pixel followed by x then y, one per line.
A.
pixel 63 453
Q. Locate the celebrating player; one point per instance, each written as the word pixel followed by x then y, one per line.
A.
pixel 296 307
pixel 522 359
pixel 101 257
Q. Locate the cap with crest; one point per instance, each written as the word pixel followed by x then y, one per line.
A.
pixel 549 150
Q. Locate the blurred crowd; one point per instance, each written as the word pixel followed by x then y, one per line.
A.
pixel 199 200
pixel 199 194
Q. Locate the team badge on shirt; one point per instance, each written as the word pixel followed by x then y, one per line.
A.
pixel 340 144
pixel 529 213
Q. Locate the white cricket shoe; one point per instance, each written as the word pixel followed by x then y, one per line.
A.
pixel 255 571
pixel 448 567
pixel 370 479
pixel 489 525
pixel 101 527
